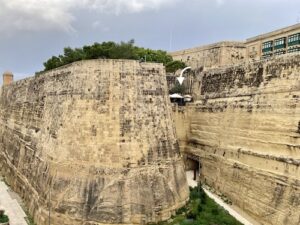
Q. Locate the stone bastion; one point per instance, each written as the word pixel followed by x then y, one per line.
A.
pixel 92 143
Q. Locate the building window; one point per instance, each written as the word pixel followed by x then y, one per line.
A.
pixel 267 46
pixel 294 39
pixel 280 43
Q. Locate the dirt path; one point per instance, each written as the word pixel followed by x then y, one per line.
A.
pixel 11 206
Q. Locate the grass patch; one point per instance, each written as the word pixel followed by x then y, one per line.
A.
pixel 30 220
pixel 201 210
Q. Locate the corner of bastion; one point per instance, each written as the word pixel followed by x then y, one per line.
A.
pixel 93 142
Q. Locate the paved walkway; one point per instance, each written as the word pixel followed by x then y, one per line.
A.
pixel 11 206
pixel 219 201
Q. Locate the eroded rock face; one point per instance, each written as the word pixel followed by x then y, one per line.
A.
pixel 96 140
pixel 245 130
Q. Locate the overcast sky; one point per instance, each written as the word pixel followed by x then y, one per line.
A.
pixel 31 31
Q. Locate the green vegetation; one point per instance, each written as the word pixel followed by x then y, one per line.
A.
pixel 3 218
pixel 179 89
pixel 112 50
pixel 172 67
pixel 201 210
pixel 29 219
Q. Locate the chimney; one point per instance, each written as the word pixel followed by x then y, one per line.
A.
pixel 8 78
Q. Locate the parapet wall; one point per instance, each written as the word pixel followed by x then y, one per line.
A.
pixel 95 139
pixel 245 129
pixel 213 55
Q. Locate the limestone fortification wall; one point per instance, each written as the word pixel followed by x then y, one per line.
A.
pixel 213 55
pixel 96 140
pixel 246 130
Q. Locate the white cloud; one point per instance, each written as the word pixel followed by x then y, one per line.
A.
pixel 119 6
pixel 58 14
pixel 35 15
pixel 220 2
pixel 99 25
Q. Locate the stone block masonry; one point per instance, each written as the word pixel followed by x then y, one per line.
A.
pixel 244 127
pixel 213 55
pixel 95 141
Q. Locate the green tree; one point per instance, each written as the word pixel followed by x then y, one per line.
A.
pixel 124 50
pixel 112 50
pixel 52 63
pixel 72 55
pixel 178 89
pixel 173 66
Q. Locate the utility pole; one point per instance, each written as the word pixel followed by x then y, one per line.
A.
pixel 49 193
pixel 49 201
pixel 171 41
pixel 49 205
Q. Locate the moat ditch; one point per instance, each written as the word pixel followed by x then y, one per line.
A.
pixel 201 210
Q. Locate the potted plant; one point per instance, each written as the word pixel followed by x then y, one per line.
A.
pixel 4 220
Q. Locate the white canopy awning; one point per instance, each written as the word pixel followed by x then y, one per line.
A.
pixel 175 96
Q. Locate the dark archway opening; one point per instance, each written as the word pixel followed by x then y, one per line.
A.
pixel 193 164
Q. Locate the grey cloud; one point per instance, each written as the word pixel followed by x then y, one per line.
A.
pixel 28 37
pixel 58 14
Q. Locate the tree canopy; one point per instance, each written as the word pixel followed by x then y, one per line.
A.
pixel 112 50
pixel 177 89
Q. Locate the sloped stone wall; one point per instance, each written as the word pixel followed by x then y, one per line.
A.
pixel 95 141
pixel 245 130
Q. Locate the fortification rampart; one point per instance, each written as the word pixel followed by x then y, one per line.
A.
pixel 95 141
pixel 245 129
pixel 213 55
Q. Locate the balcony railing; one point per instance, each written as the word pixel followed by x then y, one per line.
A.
pixel 292 43
pixel 279 46
pixel 267 49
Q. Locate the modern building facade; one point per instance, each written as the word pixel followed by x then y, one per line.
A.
pixel 278 42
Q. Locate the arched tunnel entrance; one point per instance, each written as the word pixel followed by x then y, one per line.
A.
pixel 193 167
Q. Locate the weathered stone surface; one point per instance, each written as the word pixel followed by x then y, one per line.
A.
pixel 97 138
pixel 245 129
pixel 213 55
